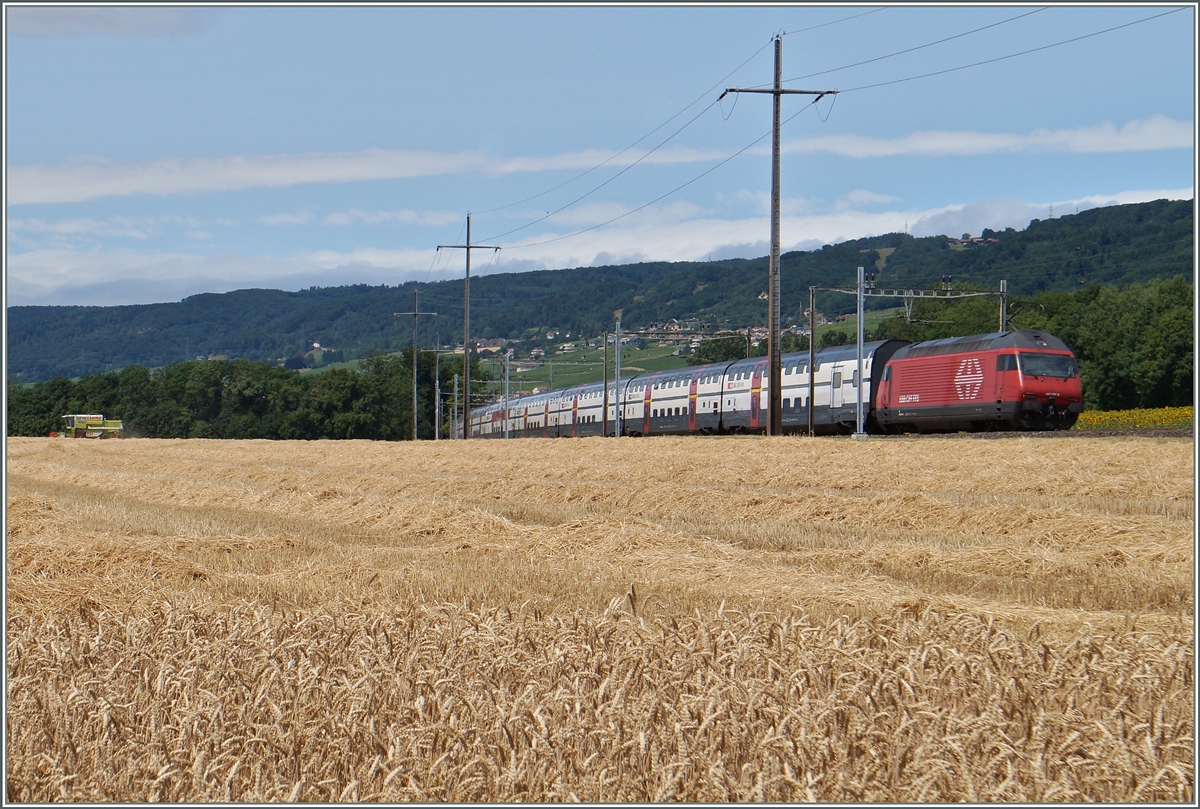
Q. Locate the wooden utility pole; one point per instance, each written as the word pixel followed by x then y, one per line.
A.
pixel 467 325
pixel 416 313
pixel 775 422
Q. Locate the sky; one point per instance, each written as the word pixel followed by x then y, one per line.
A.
pixel 156 153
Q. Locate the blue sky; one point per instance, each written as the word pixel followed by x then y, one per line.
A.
pixel 154 153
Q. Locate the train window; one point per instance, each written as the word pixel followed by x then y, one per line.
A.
pixel 1039 364
pixel 1006 362
pixel 887 373
pixel 854 379
pixel 837 379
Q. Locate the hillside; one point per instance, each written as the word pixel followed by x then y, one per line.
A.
pixel 1114 245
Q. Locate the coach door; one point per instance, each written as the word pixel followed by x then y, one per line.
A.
pixel 693 392
pixel 836 389
pixel 755 396
pixel 646 406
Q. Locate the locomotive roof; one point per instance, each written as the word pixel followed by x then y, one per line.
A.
pixel 1024 338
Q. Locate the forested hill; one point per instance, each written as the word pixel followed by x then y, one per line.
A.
pixel 1116 245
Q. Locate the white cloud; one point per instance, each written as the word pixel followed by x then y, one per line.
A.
pixel 673 233
pixel 761 201
pixel 87 178
pixel 401 217
pixel 1001 213
pixel 84 179
pixel 302 218
pixel 117 277
pixel 592 157
pixel 863 197
pixel 596 213
pixel 1158 132
pixel 405 259
pixel 116 226
pixel 49 21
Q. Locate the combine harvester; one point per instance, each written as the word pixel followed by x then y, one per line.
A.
pixel 91 425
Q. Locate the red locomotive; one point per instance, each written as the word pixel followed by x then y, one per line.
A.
pixel 1025 380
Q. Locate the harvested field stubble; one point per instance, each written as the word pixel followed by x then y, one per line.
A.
pixel 693 619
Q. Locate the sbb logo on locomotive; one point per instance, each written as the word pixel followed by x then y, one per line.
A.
pixel 969 378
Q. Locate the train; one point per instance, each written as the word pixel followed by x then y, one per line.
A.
pixel 1011 380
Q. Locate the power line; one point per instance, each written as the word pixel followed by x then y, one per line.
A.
pixel 669 193
pixel 918 47
pixel 832 22
pixel 1013 55
pixel 698 99
pixel 609 180
pixel 636 142
pixel 757 140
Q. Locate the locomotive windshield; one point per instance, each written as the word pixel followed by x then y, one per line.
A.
pixel 1039 364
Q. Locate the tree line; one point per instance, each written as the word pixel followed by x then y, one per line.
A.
pixel 1134 345
pixel 244 399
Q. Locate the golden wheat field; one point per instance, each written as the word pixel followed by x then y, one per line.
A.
pixel 752 619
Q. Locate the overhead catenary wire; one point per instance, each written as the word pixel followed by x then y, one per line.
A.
pixel 1012 55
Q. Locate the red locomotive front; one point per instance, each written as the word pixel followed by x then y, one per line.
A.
pixel 1025 380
